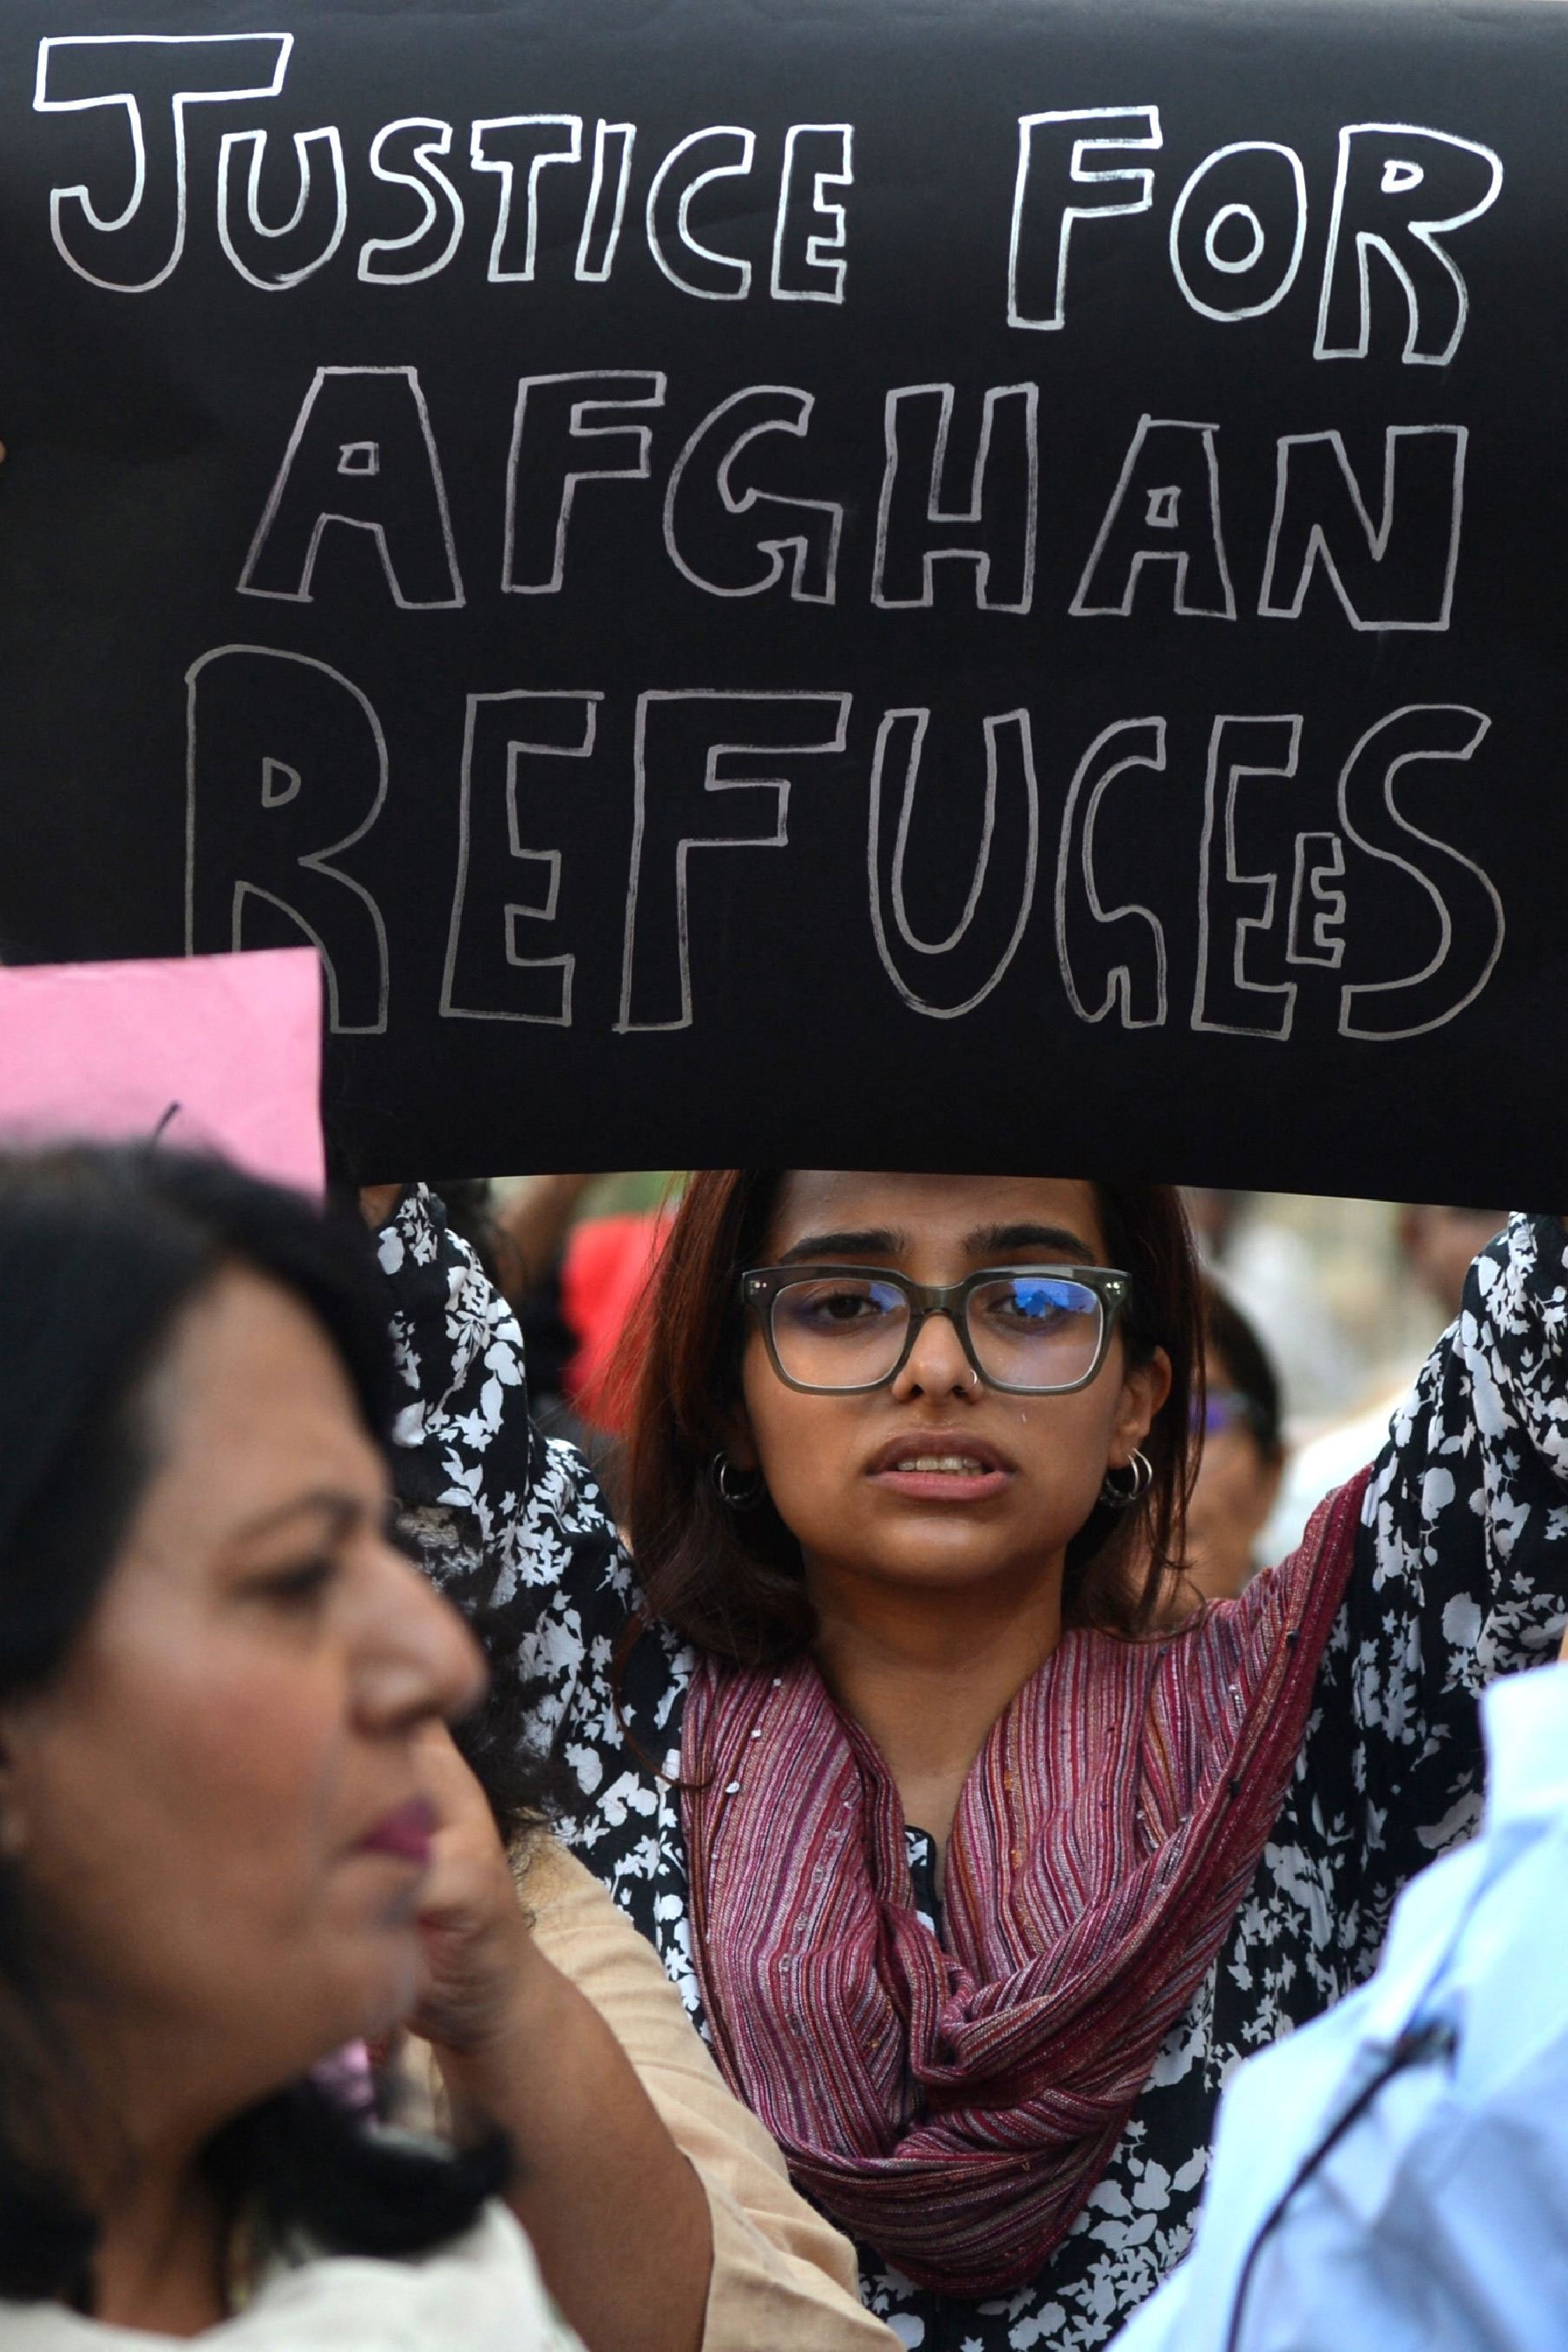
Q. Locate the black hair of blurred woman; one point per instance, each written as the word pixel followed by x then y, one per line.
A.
pixel 1230 1336
pixel 101 1251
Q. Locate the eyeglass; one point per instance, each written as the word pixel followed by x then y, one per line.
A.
pixel 1033 1330
pixel 1227 1409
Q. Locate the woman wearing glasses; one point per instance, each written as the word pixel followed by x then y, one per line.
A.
pixel 1241 1462
pixel 980 1888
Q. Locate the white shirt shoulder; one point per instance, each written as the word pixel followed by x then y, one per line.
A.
pixel 481 2293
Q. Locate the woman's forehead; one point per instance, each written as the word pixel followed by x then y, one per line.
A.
pixel 255 1406
pixel 910 1207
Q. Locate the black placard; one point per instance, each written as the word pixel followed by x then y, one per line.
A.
pixel 856 581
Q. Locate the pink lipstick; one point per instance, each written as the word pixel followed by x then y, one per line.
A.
pixel 405 1834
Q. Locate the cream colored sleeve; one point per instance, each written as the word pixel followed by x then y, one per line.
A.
pixel 783 2279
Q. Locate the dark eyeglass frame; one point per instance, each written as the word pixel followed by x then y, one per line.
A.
pixel 760 1286
pixel 1229 1408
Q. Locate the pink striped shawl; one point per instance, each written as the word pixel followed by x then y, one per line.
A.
pixel 953 2104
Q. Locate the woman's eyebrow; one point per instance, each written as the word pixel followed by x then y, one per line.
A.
pixel 1007 1241
pixel 341 1510
pixel 876 1241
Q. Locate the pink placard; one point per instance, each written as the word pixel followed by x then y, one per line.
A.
pixel 218 1053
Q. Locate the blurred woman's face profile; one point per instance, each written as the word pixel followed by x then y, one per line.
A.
pixel 214 1806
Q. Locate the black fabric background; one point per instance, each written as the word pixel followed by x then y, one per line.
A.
pixel 145 431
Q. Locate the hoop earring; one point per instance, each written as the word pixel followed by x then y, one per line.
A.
pixel 738 1493
pixel 1122 1498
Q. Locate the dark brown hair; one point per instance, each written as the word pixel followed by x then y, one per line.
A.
pixel 730 1580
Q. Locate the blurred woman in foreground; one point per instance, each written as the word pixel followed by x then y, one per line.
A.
pixel 234 1836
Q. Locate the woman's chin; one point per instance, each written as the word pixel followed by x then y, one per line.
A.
pixel 938 1567
pixel 380 1995
pixel 398 1997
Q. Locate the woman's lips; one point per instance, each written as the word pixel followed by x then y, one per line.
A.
pixel 941 1468
pixel 405 1834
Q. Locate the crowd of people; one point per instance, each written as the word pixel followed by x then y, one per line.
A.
pixel 825 1897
